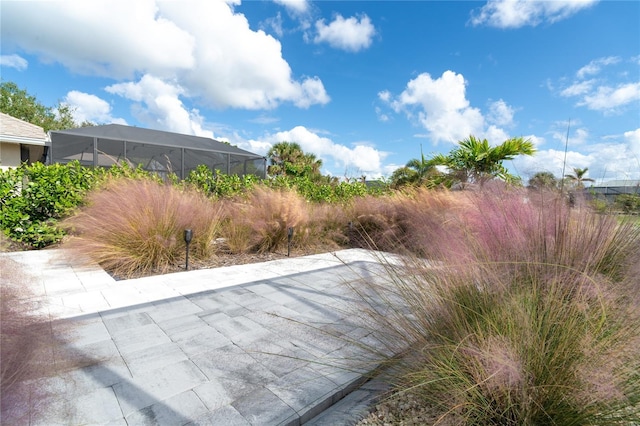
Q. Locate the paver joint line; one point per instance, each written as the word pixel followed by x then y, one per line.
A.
pixel 180 357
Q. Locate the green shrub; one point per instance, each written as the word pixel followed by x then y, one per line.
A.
pixel 628 203
pixel 217 184
pixel 35 197
pixel 124 169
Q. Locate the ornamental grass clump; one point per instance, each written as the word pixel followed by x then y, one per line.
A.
pixel 263 217
pixel 415 220
pixel 537 321
pixel 134 227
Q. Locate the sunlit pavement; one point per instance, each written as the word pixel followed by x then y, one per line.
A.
pixel 261 344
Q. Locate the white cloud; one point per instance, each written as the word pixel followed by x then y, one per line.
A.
pixel 384 96
pixel 606 160
pixel 633 140
pixel 351 34
pixel 87 107
pixel 311 91
pixel 613 160
pixel 360 156
pixel 275 24
pixel 603 93
pixel 579 88
pixel 207 47
pixel 495 135
pixel 381 115
pixel 294 6
pixel 552 161
pixel 596 65
pixel 608 99
pixel 252 145
pixel 520 13
pixel 500 113
pixel 577 135
pixel 264 119
pixel 107 38
pixel 158 106
pixel 14 61
pixel 441 105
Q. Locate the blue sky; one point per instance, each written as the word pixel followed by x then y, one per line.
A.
pixel 363 85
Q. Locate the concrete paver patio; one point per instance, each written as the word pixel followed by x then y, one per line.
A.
pixel 260 344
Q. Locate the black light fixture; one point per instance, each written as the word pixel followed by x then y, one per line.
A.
pixel 289 236
pixel 188 236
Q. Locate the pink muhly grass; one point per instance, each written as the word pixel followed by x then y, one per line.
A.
pixel 375 223
pixel 266 214
pixel 431 224
pixel 326 226
pixel 137 226
pixel 419 221
pixel 534 323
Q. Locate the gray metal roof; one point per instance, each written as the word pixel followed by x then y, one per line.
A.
pixel 154 137
pixel 617 183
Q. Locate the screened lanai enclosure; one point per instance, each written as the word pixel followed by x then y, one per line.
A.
pixel 156 151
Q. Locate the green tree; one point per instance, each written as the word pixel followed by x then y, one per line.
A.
pixel 628 203
pixel 578 178
pixel 288 158
pixel 417 171
pixel 543 180
pixel 17 103
pixel 475 161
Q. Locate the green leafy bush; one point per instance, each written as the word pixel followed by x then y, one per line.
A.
pixel 628 203
pixel 217 184
pixel 327 192
pixel 34 197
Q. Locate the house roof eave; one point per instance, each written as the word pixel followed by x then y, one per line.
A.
pixel 23 140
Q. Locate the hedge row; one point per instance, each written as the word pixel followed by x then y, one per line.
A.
pixel 33 198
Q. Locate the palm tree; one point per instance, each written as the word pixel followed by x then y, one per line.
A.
pixel 287 158
pixel 417 171
pixel 475 161
pixel 578 177
pixel 543 180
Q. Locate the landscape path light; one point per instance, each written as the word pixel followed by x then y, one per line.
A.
pixel 289 236
pixel 188 236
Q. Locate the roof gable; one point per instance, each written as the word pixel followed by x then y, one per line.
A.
pixel 15 130
pixel 154 137
pixel 618 183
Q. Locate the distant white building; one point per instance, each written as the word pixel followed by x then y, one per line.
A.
pixel 20 142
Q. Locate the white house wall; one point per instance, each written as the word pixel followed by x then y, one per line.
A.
pixel 9 155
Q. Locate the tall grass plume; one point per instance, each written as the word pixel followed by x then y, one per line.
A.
pixel 136 226
pixel 533 320
pixel 265 215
